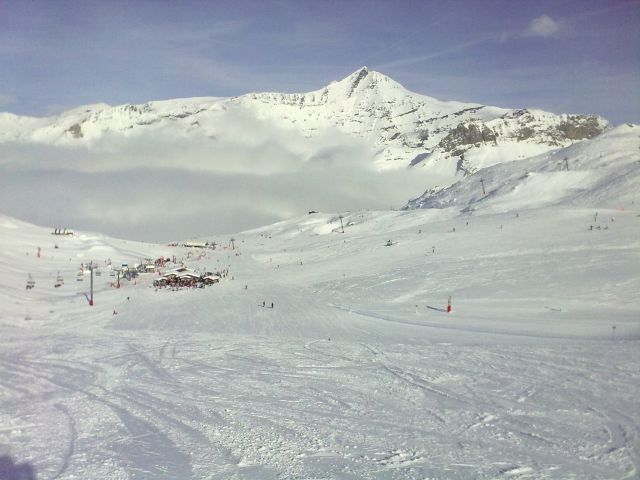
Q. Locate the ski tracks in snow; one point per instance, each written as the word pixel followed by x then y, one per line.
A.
pixel 227 407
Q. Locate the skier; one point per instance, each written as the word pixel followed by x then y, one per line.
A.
pixel 271 304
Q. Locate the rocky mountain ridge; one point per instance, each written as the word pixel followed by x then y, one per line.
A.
pixel 402 128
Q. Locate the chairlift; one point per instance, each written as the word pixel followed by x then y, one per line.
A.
pixel 30 282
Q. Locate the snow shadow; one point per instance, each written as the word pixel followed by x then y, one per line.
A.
pixel 437 308
pixel 9 470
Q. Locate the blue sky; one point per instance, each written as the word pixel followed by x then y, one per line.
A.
pixel 576 56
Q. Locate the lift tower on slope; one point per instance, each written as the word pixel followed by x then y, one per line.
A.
pixel 91 266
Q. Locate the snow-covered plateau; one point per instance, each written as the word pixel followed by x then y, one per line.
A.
pixel 326 350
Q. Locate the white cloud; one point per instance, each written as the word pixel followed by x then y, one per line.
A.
pixel 241 174
pixel 543 26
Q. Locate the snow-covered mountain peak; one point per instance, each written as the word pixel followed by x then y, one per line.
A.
pixel 401 127
pixel 365 83
pixel 364 88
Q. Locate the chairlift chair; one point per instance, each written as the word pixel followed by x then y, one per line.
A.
pixel 59 281
pixel 30 282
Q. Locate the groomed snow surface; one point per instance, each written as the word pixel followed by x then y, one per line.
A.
pixel 357 372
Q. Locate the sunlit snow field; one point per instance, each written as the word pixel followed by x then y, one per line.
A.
pixel 357 372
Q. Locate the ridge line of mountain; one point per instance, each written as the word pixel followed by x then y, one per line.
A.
pixel 402 128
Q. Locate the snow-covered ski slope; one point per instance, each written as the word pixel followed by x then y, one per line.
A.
pixel 357 372
pixel 603 171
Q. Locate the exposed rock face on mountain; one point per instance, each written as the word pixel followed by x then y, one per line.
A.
pixel 403 128
pixel 601 172
pixel 462 136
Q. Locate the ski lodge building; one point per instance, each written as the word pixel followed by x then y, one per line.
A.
pixel 184 277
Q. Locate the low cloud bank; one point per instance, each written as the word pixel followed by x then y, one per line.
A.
pixel 161 187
